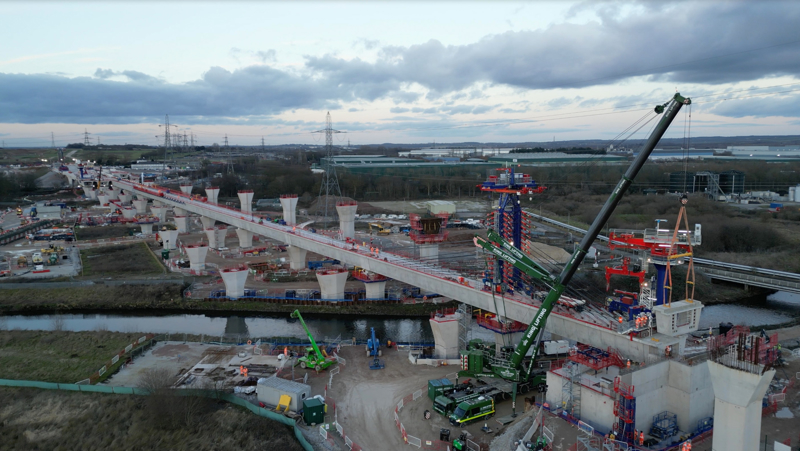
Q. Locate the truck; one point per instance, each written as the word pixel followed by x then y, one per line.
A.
pixel 512 367
pixel 446 404
pixel 314 357
pixel 472 410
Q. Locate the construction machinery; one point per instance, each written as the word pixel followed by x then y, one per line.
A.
pixel 314 358
pixel 511 367
pixel 472 410
pixel 374 351
pixel 380 228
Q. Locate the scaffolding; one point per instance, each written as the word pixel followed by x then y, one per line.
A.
pixel 624 411
pixel 464 323
pixel 594 358
pixel 571 389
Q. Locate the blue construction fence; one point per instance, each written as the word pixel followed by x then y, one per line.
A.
pixel 260 411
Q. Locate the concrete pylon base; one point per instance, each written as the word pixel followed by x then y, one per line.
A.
pixel 246 201
pixel 234 282
pixel 159 212
pixel 186 189
pixel 103 199
pixel 289 204
pixel 182 223
pixel 737 407
pixel 178 211
pixel 157 203
pixel 147 229
pixel 212 238
pixel 347 218
pixel 445 334
pixel 197 256
pixel 125 199
pixel 375 290
pixel 207 222
pixel 331 285
pixel 128 213
pixel 429 252
pixel 169 239
pixel 141 206
pixel 297 258
pixel 113 194
pixel 211 194
pixel 245 238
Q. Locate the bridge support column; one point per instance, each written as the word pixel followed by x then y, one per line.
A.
pixel 245 238
pixel 737 407
pixel 234 279
pixel 125 198
pixel 445 334
pixel 147 228
pixel 429 252
pixel 113 194
pixel 246 200
pixel 159 212
pixel 157 203
pixel 501 340
pixel 197 256
pixel 297 258
pixel 289 204
pixel 103 199
pixel 169 239
pixel 207 222
pixel 347 218
pixel 211 233
pixel 186 189
pixel 90 193
pixel 211 193
pixel 182 223
pixel 331 283
pixel 128 213
pixel 178 211
pixel 141 206
pixel 221 233
pixel 375 290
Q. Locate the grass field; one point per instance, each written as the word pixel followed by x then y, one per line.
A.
pixel 57 356
pixel 111 231
pixel 54 420
pixel 96 297
pixel 123 260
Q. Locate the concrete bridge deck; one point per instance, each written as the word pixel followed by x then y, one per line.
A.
pixel 589 328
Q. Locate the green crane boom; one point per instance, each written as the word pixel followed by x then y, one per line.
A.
pixel 296 314
pixel 509 253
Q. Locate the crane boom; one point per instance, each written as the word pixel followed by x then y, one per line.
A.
pixel 296 314
pixel 558 285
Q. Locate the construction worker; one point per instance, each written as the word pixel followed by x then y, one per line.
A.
pixel 641 438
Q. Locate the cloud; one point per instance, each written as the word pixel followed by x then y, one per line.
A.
pixel 267 56
pixel 368 44
pixel 769 106
pixel 398 110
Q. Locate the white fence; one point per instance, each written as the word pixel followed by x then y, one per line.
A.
pixel 341 360
pixel 472 446
pixel 348 442
pixel 548 434
pixel 332 373
pixel 417 394
pixel 778 397
pixel 400 405
pixel 586 428
pixel 339 428
pixel 414 441
pixel 323 432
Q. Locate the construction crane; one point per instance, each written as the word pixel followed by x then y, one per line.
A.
pixel 314 357
pixel 512 368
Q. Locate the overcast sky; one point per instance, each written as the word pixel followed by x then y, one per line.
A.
pixel 392 71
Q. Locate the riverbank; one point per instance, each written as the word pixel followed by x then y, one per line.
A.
pixel 169 299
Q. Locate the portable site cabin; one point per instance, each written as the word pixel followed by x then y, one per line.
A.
pixel 270 389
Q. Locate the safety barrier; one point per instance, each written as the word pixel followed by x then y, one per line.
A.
pixel 417 395
pixel 414 441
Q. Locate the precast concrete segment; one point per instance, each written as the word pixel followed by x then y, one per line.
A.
pixel 375 290
pixel 125 198
pixel 297 258
pixel 245 238
pixel 445 334
pixel 211 193
pixel 177 211
pixel 197 256
pixel 331 285
pixel 212 238
pixel 141 206
pixel 429 252
pixel 207 222
pixel 737 407
pixel 246 200
pixel 147 228
pixel 428 277
pixel 289 204
pixel 186 189
pixel 347 219
pixel 169 239
pixel 103 199
pixel 182 223
pixel 234 282
pixel 159 212
pixel 128 213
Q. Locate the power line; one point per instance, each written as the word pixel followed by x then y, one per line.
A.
pixel 330 183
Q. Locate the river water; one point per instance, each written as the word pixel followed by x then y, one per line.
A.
pixel 778 308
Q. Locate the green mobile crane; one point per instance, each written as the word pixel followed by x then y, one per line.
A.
pixel 314 357
pixel 511 368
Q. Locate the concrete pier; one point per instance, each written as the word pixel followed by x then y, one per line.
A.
pixel 178 211
pixel 113 194
pixel 128 213
pixel 125 198
pixel 211 233
pixel 331 283
pixel 90 193
pixel 429 252
pixel 246 200
pixel 245 238
pixel 207 222
pixel 147 228
pixel 182 223
pixel 375 290
pixel 141 206
pixel 211 193
pixel 186 189
pixel 197 256
pixel 159 212
pixel 234 279
pixel 347 218
pixel 158 203
pixel 445 334
pixel 297 258
pixel 737 406
pixel 169 239
pixel 289 204
pixel 103 199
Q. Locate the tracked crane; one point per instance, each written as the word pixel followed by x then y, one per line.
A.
pixel 512 368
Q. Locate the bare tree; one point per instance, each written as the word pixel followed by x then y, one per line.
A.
pixel 58 323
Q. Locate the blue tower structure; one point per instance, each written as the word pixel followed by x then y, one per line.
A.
pixel 508 219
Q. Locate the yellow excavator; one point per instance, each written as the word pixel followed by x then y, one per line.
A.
pixel 380 228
